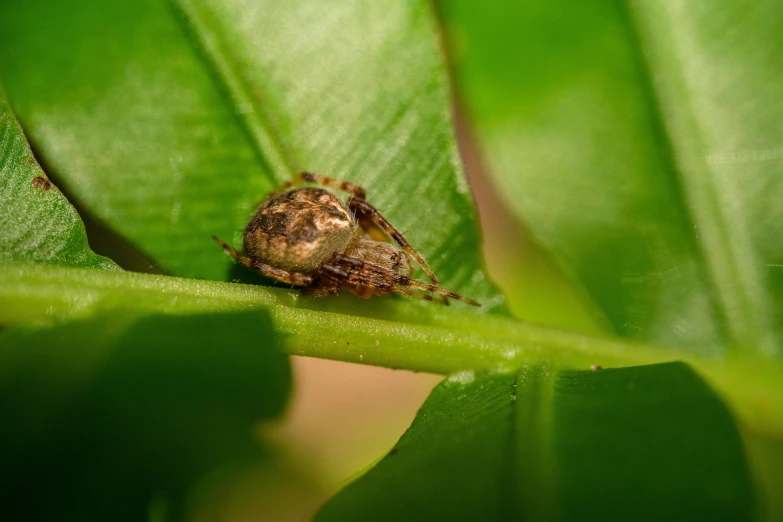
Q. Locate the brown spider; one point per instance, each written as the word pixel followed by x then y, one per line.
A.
pixel 309 237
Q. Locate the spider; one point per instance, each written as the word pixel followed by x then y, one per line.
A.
pixel 308 237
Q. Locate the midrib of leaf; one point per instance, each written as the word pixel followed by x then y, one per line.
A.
pixel 382 332
pixel 530 434
pixel 265 136
pixel 741 299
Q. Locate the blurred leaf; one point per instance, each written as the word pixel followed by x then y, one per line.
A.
pixel 170 123
pixel 37 223
pixel 640 143
pixel 639 443
pixel 766 456
pixel 113 411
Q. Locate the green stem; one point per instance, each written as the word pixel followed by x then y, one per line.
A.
pixel 385 332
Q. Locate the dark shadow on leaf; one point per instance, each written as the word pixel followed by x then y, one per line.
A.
pixel 104 416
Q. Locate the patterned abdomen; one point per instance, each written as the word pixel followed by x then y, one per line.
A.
pixel 299 229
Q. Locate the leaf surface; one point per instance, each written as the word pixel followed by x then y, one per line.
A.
pixel 640 143
pixel 112 412
pixel 625 444
pixel 37 223
pixel 174 119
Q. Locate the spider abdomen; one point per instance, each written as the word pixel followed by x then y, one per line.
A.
pixel 300 229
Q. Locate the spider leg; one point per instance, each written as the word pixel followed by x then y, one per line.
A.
pixel 309 177
pixel 365 210
pixel 407 281
pixel 320 290
pixel 292 278
pixel 371 229
pixel 365 285
pixel 437 289
pixel 361 273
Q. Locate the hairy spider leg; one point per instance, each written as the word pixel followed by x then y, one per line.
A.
pixel 371 229
pixel 364 209
pixel 421 285
pixel 292 278
pixel 366 281
pixel 363 266
pixel 435 289
pixel 320 290
pixel 309 177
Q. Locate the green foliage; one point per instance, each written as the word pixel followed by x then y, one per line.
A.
pixel 561 445
pixel 104 412
pixel 37 222
pixel 172 122
pixel 640 142
pixel 608 134
pixel 392 333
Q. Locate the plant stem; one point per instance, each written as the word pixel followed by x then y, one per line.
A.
pixel 385 332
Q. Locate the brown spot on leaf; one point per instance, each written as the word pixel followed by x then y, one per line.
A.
pixel 42 183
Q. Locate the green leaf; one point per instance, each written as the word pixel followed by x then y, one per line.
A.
pixel 37 223
pixel 172 120
pixel 639 443
pixel 640 143
pixel 113 411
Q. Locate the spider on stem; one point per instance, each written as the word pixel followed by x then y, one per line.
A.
pixel 308 237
